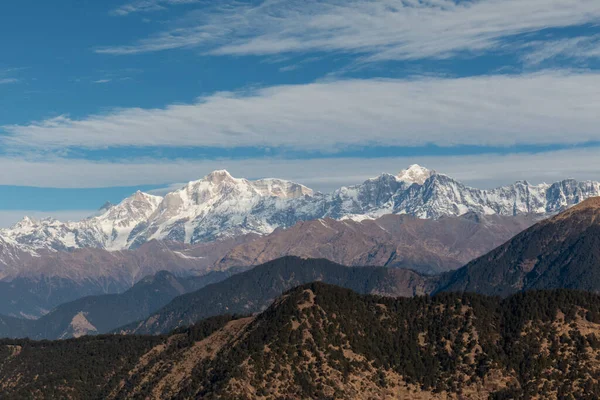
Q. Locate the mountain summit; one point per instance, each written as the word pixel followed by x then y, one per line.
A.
pixel 221 206
pixel 415 174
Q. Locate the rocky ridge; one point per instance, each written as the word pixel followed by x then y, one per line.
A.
pixel 221 206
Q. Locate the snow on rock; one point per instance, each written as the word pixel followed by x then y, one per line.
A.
pixel 415 174
pixel 220 206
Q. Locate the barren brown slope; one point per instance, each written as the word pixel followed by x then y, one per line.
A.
pixel 424 245
pixel 127 266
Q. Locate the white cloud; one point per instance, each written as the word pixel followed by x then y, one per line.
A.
pixel 5 76
pixel 484 171
pixel 147 6
pixel 379 29
pixel 578 48
pixel 11 217
pixel 101 81
pixel 167 189
pixel 544 108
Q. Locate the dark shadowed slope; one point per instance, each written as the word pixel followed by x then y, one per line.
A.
pixel 101 314
pixel 254 290
pixel 561 252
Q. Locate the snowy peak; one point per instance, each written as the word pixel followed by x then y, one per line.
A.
pixel 25 223
pixel 221 206
pixel 281 188
pixel 216 181
pixel 132 210
pixel 218 176
pixel 415 174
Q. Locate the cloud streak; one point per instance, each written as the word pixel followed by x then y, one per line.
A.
pixel 377 29
pixel 6 78
pixel 143 6
pixel 553 107
pixel 580 48
pixel 483 171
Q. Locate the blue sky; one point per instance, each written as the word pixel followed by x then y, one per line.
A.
pixel 99 99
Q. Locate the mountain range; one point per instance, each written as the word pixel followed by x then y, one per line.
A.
pixel 94 315
pixel 321 341
pixel 220 206
pixel 397 241
pixel 34 284
pixel 254 290
pixel 557 253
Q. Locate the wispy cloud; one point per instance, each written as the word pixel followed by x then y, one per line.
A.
pixel 6 81
pixel 321 174
pixel 376 29
pixel 100 81
pixel 576 48
pixel 550 107
pixel 7 76
pixel 142 6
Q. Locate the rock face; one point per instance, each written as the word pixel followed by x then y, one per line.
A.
pixel 220 206
pixel 398 241
pixel 560 252
pixel 319 341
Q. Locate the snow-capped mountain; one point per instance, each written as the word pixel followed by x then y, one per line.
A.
pixel 110 230
pixel 220 206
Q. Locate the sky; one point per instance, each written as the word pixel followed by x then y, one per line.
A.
pixel 101 98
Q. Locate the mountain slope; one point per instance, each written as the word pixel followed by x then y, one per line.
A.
pixel 221 206
pixel 36 283
pixel 32 285
pixel 561 252
pixel 254 290
pixel 321 341
pixel 101 314
pixel 399 241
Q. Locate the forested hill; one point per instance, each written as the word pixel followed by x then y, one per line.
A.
pixel 322 341
pixel 561 252
pixel 254 290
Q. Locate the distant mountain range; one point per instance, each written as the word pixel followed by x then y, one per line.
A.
pixel 560 252
pixel 397 241
pixel 254 290
pixel 319 341
pixel 419 219
pixel 220 206
pixel 33 283
pixel 101 314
